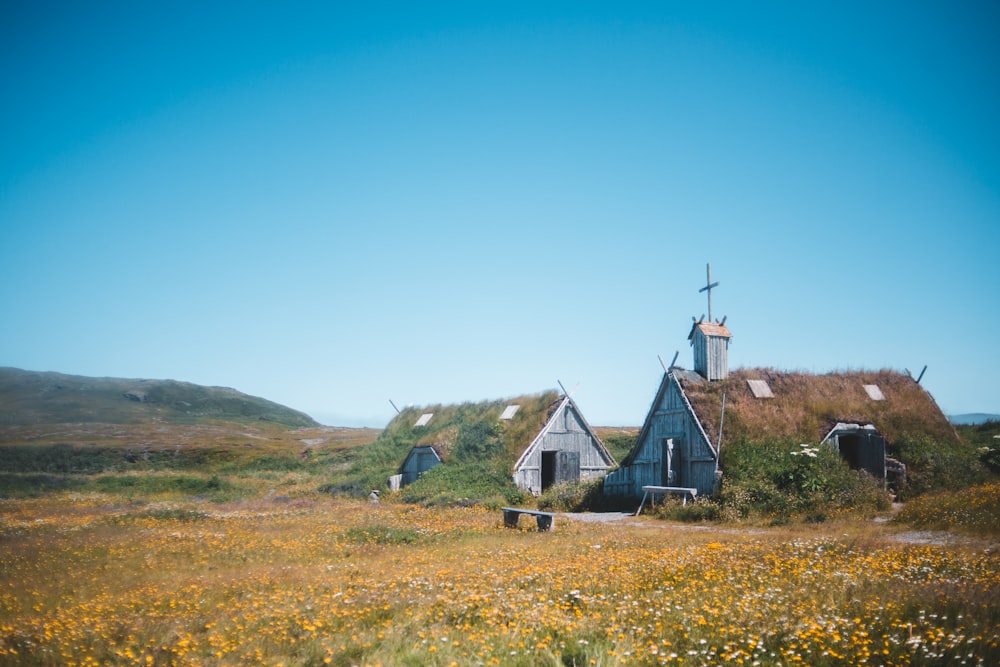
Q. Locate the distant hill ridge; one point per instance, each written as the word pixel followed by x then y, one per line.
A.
pixel 31 397
pixel 974 418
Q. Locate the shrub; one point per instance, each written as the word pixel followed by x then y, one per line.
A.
pixel 381 534
pixel 770 479
pixel 160 514
pixel 214 487
pixel 585 495
pixel 60 459
pixel 990 456
pixel 620 444
pixel 32 485
pixel 676 509
pixel 931 466
pixel 985 438
pixel 457 483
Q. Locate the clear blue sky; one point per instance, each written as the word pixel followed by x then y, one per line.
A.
pixel 333 205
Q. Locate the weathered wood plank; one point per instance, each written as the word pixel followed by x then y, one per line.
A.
pixel 544 520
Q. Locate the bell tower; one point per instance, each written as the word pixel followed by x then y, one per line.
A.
pixel 710 339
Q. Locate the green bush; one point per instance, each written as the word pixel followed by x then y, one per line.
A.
pixel 771 479
pixel 454 483
pixel 160 514
pixel 381 534
pixel 585 495
pixel 33 485
pixel 620 444
pixel 677 509
pixel 990 456
pixel 985 438
pixel 272 463
pixel 933 467
pixel 60 459
pixel 975 510
pixel 213 487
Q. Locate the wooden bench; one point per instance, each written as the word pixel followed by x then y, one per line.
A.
pixel 546 520
pixel 652 491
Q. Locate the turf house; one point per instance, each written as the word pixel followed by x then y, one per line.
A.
pixel 545 438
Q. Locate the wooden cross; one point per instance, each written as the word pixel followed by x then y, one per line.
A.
pixel 708 287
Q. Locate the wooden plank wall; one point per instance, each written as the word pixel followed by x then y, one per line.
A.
pixel 567 433
pixel 694 461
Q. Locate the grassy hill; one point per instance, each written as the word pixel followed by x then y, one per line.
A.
pixel 31 398
pixel 155 437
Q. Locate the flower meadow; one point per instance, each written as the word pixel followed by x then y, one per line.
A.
pixel 89 579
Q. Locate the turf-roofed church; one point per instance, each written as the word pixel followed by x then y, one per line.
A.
pixel 694 413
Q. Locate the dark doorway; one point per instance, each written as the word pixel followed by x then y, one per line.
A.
pixel 850 449
pixel 559 466
pixel 863 449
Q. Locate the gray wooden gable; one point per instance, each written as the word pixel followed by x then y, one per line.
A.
pixel 672 448
pixel 565 449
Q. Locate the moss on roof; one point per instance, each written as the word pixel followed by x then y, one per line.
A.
pixel 443 430
pixel 806 406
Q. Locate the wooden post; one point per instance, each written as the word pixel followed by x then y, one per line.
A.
pixel 722 418
pixel 639 511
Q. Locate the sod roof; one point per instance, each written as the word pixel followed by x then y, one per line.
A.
pixel 805 406
pixel 442 430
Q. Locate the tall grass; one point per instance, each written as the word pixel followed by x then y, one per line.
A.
pixel 155 485
pixel 975 510
pixel 465 482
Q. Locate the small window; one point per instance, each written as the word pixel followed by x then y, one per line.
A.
pixel 760 389
pixel 509 412
pixel 424 418
pixel 874 392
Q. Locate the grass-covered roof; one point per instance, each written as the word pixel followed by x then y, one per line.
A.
pixel 805 406
pixel 478 446
pixel 450 423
